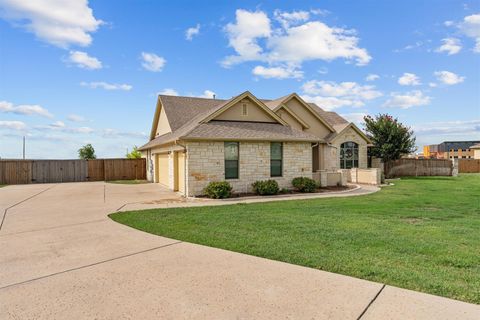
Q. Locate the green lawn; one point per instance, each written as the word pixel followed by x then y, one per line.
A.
pixel 421 234
pixel 128 181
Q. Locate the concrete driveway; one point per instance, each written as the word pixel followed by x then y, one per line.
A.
pixel 63 258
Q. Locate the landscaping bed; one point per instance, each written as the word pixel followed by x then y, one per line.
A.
pixel 290 191
pixel 420 234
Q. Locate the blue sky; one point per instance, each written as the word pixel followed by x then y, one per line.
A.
pixel 76 72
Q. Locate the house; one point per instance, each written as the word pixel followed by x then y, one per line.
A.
pixel 194 141
pixel 476 151
pixel 450 150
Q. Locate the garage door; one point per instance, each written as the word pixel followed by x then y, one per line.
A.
pixel 161 169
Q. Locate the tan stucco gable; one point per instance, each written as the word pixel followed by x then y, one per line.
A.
pixel 246 110
pixel 351 129
pixel 163 126
pixel 254 102
pixel 160 123
pixel 317 126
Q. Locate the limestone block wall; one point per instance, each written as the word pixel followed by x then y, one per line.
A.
pixel 205 163
pixel 333 153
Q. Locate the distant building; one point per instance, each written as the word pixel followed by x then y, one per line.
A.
pixel 476 151
pixel 450 150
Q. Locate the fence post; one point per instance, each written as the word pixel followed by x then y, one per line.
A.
pixel 104 171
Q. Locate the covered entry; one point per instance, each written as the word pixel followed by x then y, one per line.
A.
pixel 161 169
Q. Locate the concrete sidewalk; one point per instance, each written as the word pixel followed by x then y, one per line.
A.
pixel 62 258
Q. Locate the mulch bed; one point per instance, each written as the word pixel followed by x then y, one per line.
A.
pixel 319 190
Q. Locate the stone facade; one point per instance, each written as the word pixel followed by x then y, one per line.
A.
pixel 206 163
pixel 332 153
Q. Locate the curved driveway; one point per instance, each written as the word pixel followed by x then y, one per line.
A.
pixel 63 258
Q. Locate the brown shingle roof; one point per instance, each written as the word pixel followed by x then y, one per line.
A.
pixel 180 110
pixel 331 117
pixel 185 113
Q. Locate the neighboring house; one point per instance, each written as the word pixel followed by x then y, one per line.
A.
pixel 476 151
pixel 450 150
pixel 194 141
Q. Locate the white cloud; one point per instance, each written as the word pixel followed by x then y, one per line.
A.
pixel 356 117
pixel 113 133
pixel 450 45
pixel 470 27
pixel 61 127
pixel 106 86
pixel 191 32
pixel 13 125
pixel 243 35
pixel 287 19
pixel 315 40
pixel 432 84
pixel 172 92
pixel 295 40
pixel 277 72
pixel 169 92
pixel 76 118
pixel 83 60
pixel 58 124
pixel 409 79
pixel 207 94
pixel 407 100
pixel 61 23
pixel 469 129
pixel 331 95
pixel 24 109
pixel 372 77
pixel 448 78
pixel 152 62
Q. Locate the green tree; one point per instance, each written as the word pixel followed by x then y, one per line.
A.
pixel 134 154
pixel 87 152
pixel 391 139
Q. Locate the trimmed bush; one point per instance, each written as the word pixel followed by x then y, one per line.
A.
pixel 265 187
pixel 304 184
pixel 218 190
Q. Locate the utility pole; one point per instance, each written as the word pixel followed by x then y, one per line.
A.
pixel 23 147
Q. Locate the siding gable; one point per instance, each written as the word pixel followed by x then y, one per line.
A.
pixel 253 112
pixel 317 127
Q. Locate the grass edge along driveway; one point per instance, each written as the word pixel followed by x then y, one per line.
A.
pixel 421 234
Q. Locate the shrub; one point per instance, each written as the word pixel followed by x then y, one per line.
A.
pixel 304 184
pixel 218 190
pixel 265 187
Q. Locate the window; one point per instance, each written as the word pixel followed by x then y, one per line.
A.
pixel 244 109
pixel 276 159
pixel 348 155
pixel 231 160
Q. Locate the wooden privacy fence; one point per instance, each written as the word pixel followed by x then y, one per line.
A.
pixel 469 165
pixel 49 171
pixel 418 167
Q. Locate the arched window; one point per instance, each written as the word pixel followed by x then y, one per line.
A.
pixel 349 155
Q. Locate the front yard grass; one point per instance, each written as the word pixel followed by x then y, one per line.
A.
pixel 421 234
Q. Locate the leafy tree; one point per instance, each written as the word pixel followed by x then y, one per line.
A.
pixel 87 152
pixel 134 154
pixel 391 139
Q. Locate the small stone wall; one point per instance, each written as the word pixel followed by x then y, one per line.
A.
pixel 366 176
pixel 330 178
